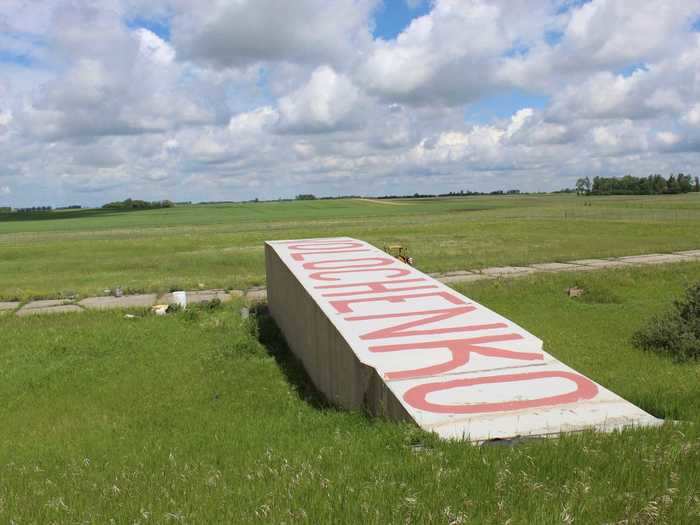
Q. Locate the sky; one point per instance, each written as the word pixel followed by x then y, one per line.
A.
pixel 194 100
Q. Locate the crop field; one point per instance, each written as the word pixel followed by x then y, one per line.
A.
pixel 203 417
pixel 87 251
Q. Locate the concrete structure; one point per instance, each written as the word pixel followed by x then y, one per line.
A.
pixel 126 301
pixel 55 309
pixel 376 334
pixel 6 306
pixel 203 296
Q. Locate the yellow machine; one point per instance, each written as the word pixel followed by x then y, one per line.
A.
pixel 400 252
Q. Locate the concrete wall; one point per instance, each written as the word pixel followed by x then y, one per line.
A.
pixel 326 355
pixel 377 335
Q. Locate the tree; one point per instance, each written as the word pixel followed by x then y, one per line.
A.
pixel 583 186
pixel 697 184
pixel 673 185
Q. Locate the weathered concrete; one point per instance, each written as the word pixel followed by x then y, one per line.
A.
pixel 203 296
pixel 693 254
pixel 60 309
pixel 45 303
pixel 558 267
pixel 9 305
pixel 256 295
pixel 507 271
pixel 376 334
pixel 600 264
pixel 655 258
pixel 126 301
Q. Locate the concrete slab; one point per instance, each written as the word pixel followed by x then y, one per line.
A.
pixel 9 305
pixel 695 254
pixel 256 295
pixel 654 258
pixel 199 296
pixel 507 271
pixel 45 303
pixel 375 334
pixel 601 263
pixel 557 267
pixel 114 303
pixel 60 309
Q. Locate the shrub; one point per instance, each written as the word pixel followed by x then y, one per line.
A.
pixel 677 332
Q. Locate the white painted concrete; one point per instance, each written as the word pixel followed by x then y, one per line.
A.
pixel 377 334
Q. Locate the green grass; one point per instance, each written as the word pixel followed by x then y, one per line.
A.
pixel 203 417
pixel 63 253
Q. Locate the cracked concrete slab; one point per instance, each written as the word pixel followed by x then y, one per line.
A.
pixel 558 267
pixel 693 254
pixel 654 258
pixel 113 303
pixel 507 271
pixel 60 309
pixel 203 296
pixel 600 263
pixel 45 303
pixel 256 295
pixel 9 305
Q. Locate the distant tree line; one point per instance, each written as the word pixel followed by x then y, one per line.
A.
pixel 72 207
pixel 136 204
pixel 460 193
pixel 33 209
pixel 629 185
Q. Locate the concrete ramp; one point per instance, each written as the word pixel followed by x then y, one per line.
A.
pixel 375 334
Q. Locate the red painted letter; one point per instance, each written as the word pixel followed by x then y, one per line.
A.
pixel 429 316
pixel 417 396
pixel 460 349
pixel 342 307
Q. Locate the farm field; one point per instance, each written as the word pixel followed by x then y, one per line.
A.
pixel 84 252
pixel 204 417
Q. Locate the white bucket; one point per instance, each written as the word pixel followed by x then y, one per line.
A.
pixel 180 299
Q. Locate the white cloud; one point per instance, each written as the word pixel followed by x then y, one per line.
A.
pixel 264 98
pixel 248 31
pixel 327 102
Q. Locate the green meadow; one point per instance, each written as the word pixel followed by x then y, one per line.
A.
pixel 86 251
pixel 205 417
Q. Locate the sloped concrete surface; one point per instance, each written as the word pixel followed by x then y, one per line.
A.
pixel 376 334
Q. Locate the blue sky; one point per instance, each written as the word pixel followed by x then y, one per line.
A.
pixel 395 15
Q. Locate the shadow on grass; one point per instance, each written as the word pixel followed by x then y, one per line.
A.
pixel 270 336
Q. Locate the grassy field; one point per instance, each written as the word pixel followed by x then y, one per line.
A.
pixel 64 253
pixel 203 417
